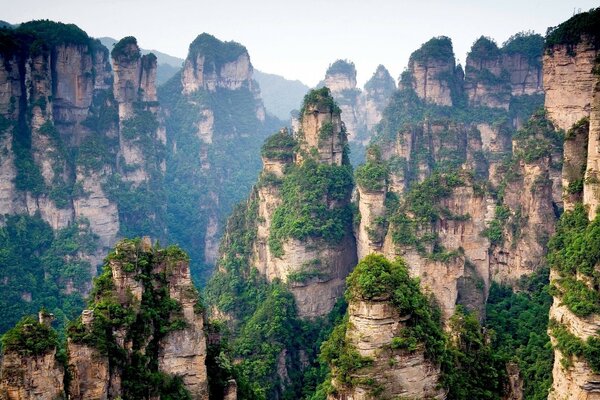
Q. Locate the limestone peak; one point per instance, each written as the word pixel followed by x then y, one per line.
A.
pixel 212 63
pixel 341 75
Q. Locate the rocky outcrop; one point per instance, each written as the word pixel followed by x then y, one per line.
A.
pixel 314 267
pixel 216 122
pixel 361 109
pixel 340 78
pixel 174 344
pixel 571 83
pixel 494 75
pixel 427 202
pixel 432 73
pixel 26 372
pixel 485 81
pixel 377 93
pixel 377 332
pixel 213 64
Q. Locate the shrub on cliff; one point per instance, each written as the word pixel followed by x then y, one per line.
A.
pixel 29 338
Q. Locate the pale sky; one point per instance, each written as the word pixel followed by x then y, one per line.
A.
pixel 299 39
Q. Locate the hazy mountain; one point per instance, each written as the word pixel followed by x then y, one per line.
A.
pixel 280 95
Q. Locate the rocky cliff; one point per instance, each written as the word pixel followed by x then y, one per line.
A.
pixel 361 109
pixel 314 264
pixel 143 335
pixel 381 332
pixel 424 191
pixel 571 82
pixel 83 152
pixel 286 253
pixel 377 93
pixel 215 123
pixel 30 368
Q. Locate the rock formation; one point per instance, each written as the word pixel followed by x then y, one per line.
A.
pixel 571 82
pixel 378 330
pixel 422 189
pixel 160 330
pixel 215 123
pixel 29 366
pixel 314 266
pixel 377 93
pixel 361 109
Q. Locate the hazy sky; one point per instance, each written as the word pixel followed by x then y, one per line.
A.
pixel 299 39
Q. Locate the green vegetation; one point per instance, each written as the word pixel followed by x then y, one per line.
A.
pixel 373 175
pixel 344 67
pixel 126 50
pixel 320 99
pixel 145 322
pixel 315 201
pixel 572 31
pixel 572 346
pixel 519 321
pixel 484 49
pixel 279 146
pixel 437 48
pixel 574 250
pixel 29 338
pixel 495 231
pixel 37 262
pixel 216 175
pixel 537 138
pixel 472 369
pixel 215 52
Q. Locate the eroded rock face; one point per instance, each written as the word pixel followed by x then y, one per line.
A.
pixel 180 352
pixel 323 265
pixel 569 83
pixel 183 352
pixel 431 80
pixel 572 95
pixel 377 93
pixel 60 84
pixel 399 374
pixel 31 377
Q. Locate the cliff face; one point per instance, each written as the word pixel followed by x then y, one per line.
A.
pixel 171 343
pixel 314 267
pixel 465 200
pixel 213 64
pixel 571 83
pixel 31 371
pixel 215 122
pixel 377 93
pixel 47 102
pixel 361 109
pixel 433 72
pixel 376 333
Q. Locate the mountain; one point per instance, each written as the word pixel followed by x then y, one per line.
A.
pixel 167 65
pixel 215 122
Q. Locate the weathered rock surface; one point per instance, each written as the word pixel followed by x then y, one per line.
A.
pixel 397 373
pixel 571 97
pixel 327 264
pixel 31 377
